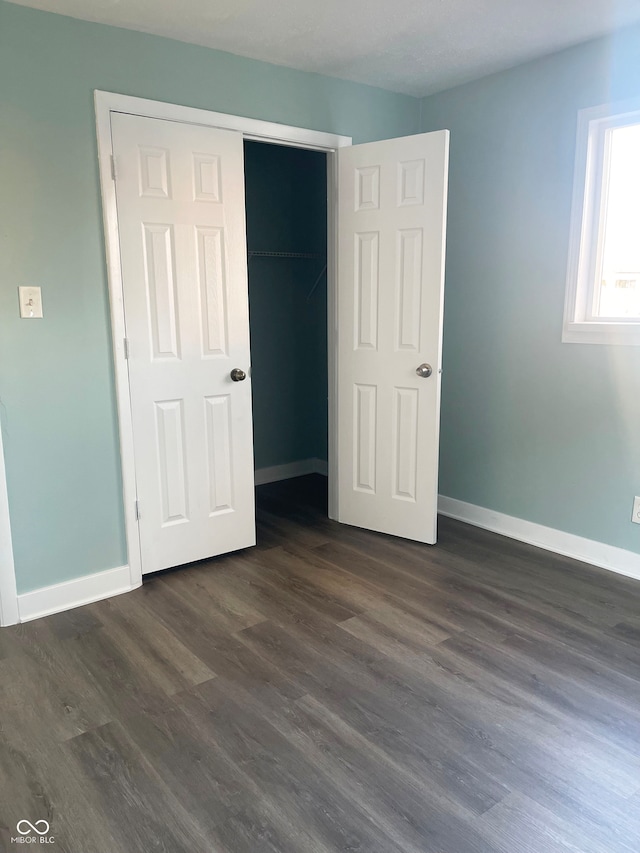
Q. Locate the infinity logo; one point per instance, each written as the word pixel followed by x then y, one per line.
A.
pixel 31 827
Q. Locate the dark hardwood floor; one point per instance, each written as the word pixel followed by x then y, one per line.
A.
pixel 333 690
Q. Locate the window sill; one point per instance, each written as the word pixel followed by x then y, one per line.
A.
pixel 616 334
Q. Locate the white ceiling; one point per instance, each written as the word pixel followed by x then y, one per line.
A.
pixel 412 46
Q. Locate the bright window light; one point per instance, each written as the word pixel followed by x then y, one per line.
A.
pixel 603 281
pixel 617 293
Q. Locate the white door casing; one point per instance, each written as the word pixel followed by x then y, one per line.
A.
pixel 181 223
pixel 392 215
pixel 8 593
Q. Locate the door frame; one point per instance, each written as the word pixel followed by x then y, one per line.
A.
pixel 9 614
pixel 251 129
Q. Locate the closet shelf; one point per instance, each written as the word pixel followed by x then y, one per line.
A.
pixel 284 255
pixel 304 255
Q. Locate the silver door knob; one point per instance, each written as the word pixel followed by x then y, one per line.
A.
pixel 424 370
pixel 237 375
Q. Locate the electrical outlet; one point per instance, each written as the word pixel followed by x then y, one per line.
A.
pixel 635 516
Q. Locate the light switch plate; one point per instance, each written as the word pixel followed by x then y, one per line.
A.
pixel 636 510
pixel 30 303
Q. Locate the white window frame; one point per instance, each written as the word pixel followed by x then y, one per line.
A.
pixel 586 235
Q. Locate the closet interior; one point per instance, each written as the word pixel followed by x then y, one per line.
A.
pixel 286 209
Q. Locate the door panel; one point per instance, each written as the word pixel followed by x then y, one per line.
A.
pixel 180 201
pixel 391 214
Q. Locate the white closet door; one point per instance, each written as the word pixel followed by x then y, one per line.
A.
pixel 392 213
pixel 181 221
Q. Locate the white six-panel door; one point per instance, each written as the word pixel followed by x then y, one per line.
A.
pixel 181 222
pixel 392 213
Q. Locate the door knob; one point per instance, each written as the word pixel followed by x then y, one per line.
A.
pixel 424 370
pixel 237 375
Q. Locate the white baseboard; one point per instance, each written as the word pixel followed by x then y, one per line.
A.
pixel 290 470
pixel 588 550
pixel 73 593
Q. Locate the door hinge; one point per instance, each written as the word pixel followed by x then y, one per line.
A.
pixel 114 174
pixel 126 347
pixel 137 509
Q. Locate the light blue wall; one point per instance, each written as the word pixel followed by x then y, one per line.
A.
pixel 56 379
pixel 286 202
pixel 546 431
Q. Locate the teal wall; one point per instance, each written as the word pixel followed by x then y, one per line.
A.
pixel 286 200
pixel 57 399
pixel 546 431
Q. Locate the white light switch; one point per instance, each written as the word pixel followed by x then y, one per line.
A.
pixel 30 303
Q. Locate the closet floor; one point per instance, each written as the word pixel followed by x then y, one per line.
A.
pixel 333 690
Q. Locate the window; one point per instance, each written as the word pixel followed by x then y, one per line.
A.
pixel 603 280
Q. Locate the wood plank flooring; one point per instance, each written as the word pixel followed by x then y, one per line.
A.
pixel 333 690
